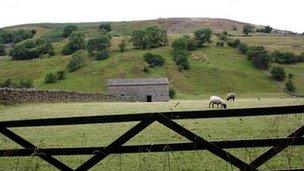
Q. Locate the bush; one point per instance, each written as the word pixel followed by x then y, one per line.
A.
pixel 284 57
pixel 105 27
pixel 21 84
pixel 52 77
pixel 122 45
pixel 290 86
pixel 30 49
pixel 25 84
pixel 8 83
pixel 76 42
pixel 60 75
pixel 77 61
pixel 301 57
pixel 222 37
pixel 146 69
pixel 242 47
pixel 233 43
pixel 220 43
pixel 202 36
pixel 278 73
pixel 171 93
pixel 101 55
pixel 67 31
pixel 154 59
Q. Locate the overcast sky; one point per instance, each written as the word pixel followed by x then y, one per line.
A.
pixel 281 14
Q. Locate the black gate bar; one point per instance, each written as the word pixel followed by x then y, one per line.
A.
pixel 264 111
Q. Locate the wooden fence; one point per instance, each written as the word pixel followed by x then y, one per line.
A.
pixel 167 119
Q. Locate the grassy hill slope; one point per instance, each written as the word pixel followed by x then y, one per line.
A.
pixel 214 70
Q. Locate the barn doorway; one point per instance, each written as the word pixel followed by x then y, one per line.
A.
pixel 149 98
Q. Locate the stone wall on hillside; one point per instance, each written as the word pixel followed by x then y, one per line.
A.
pixel 10 96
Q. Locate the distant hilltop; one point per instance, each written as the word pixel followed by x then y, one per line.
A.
pixel 172 25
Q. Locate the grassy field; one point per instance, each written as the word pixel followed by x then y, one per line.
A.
pixel 103 134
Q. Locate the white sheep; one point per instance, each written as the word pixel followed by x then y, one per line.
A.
pixel 218 101
pixel 231 96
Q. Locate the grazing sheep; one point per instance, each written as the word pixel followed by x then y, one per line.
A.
pixel 218 101
pixel 230 96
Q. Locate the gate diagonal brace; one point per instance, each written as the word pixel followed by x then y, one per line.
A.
pixel 24 143
pixel 200 141
pixel 117 143
pixel 266 156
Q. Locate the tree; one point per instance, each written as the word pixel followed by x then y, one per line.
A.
pixel 98 47
pixel 20 35
pixel 105 27
pixel 179 44
pixel 266 29
pixel 30 49
pixel 76 42
pixel 67 30
pixel 278 73
pixel 202 36
pixel 77 61
pixel 191 44
pixel 247 29
pixel 259 56
pixel 154 59
pixel 181 60
pixel 180 53
pixel 2 49
pixel 34 31
pixel 157 37
pixel 150 37
pixel 6 36
pixel 140 39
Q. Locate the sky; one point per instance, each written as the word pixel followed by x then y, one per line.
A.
pixel 280 14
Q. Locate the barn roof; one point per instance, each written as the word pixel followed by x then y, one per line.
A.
pixel 150 81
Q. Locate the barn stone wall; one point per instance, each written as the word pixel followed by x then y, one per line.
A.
pixel 14 96
pixel 139 92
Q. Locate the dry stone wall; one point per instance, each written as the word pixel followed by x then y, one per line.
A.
pixel 10 96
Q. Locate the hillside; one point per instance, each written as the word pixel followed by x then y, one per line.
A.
pixel 214 70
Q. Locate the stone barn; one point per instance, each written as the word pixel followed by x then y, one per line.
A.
pixel 143 90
